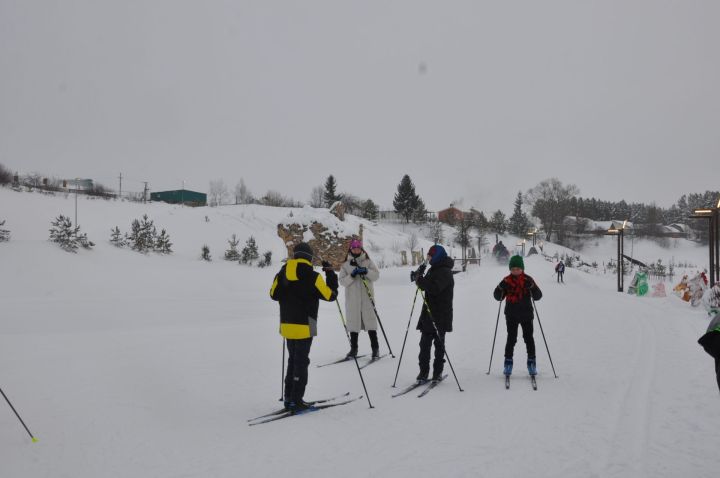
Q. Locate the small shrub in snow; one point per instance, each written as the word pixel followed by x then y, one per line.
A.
pixel 249 252
pixel 162 242
pixel 266 260
pixel 232 253
pixel 205 254
pixel 116 237
pixel 68 237
pixel 143 237
pixel 4 233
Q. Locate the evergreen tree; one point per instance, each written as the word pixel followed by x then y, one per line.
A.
pixel 370 210
pixel 63 233
pixel 4 233
pixel 68 237
pixel 142 234
pixel 419 211
pixel 205 254
pixel 266 260
pixel 405 199
pixel 462 233
pixel 249 252
pixel 497 222
pixel 162 242
pixel 116 237
pixel 83 240
pixel 330 196
pixel 518 223
pixel 232 253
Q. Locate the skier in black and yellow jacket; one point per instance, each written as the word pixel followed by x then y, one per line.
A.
pixel 298 289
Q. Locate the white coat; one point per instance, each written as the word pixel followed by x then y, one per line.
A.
pixel 359 312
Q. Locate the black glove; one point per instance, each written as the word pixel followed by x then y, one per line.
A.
pixel 415 275
pixel 331 279
pixel 326 266
pixel 503 286
pixel 529 284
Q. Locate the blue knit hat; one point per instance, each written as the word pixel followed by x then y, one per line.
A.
pixel 436 253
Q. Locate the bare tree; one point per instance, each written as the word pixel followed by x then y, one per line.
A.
pixel 275 199
pixel 32 179
pixel 218 192
pixel 412 241
pixel 435 232
pixel 242 193
pixel 317 197
pixel 550 201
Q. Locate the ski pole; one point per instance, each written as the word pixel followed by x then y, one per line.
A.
pixel 543 334
pixel 372 301
pixel 342 318
pixel 282 376
pixel 492 351
pixel 406 334
pixel 18 415
pixel 442 342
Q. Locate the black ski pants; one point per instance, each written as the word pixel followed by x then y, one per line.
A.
pixel 560 276
pixel 717 370
pixel 426 341
pixel 512 332
pixel 297 368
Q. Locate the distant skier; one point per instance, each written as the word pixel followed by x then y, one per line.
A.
pixel 560 269
pixel 298 289
pixel 359 311
pixel 518 289
pixel 438 285
pixel 711 342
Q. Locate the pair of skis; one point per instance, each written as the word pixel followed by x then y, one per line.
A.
pixel 430 384
pixel 347 359
pixel 315 405
pixel 533 382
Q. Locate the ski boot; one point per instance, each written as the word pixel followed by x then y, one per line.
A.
pixel 422 376
pixel 352 353
pixel 532 366
pixel 507 368
pixel 300 406
pixel 375 353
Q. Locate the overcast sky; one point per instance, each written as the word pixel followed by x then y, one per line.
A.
pixel 475 100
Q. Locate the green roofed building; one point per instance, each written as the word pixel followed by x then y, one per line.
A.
pixel 180 196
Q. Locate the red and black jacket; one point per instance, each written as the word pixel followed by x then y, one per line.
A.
pixel 519 292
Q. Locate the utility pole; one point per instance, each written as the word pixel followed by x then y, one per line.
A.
pixel 120 193
pixel 145 190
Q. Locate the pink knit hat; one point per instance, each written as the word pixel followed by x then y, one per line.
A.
pixel 355 244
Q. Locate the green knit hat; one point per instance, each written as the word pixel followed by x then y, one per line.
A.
pixel 517 261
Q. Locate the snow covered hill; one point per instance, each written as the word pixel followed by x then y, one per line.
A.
pixel 125 365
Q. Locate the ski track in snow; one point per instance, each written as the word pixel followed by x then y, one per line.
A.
pixel 130 365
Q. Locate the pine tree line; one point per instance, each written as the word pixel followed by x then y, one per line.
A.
pixel 143 237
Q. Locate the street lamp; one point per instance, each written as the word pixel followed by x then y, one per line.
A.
pixel 713 217
pixel 77 184
pixel 533 233
pixel 523 246
pixel 620 233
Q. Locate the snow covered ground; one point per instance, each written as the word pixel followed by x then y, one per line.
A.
pixel 125 365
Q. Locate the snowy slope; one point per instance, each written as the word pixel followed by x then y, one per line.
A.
pixel 149 366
